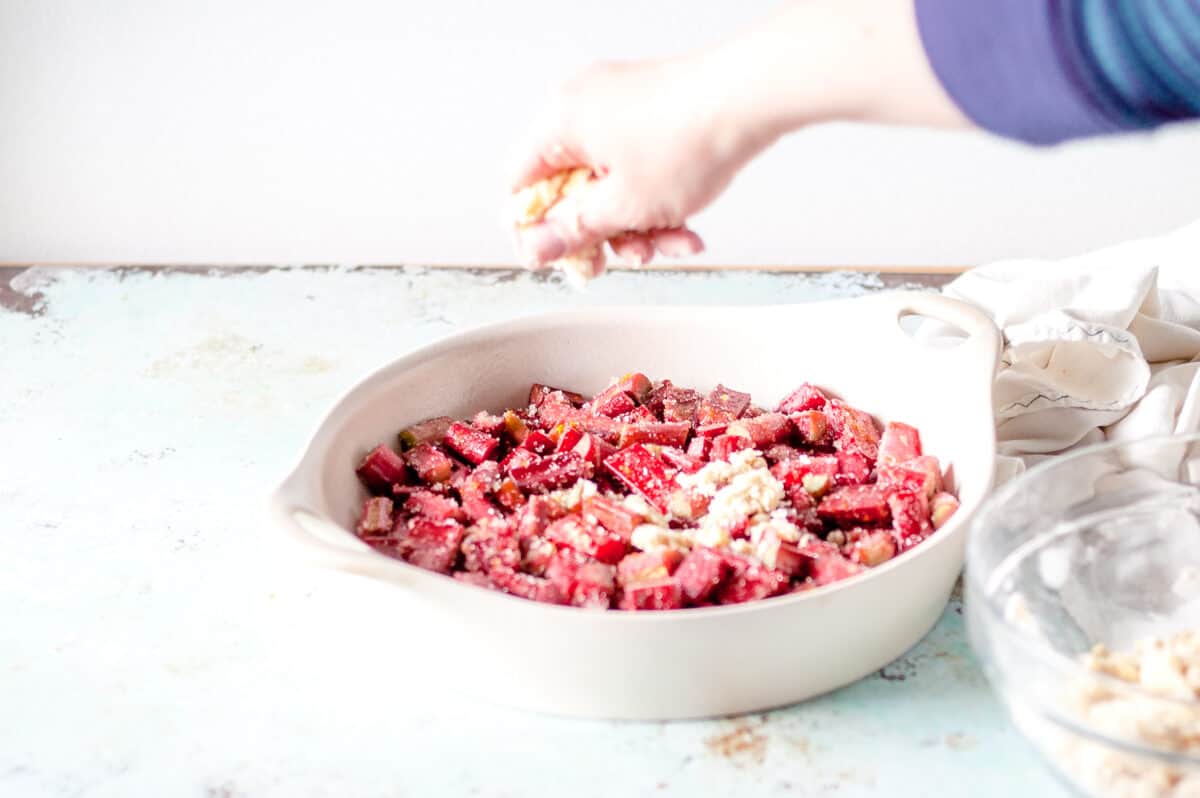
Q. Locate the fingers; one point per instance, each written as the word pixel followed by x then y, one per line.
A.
pixel 636 249
pixel 586 218
pixel 677 242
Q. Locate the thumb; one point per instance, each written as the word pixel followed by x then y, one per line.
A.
pixel 586 218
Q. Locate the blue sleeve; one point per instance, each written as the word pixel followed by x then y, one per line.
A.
pixel 1044 71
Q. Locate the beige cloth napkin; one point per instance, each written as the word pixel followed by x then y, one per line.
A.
pixel 1102 346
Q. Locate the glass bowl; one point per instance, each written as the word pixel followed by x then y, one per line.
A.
pixel 1099 547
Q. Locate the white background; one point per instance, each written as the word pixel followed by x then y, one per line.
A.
pixel 375 131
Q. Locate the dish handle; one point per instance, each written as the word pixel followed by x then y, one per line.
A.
pixel 980 341
pixel 324 542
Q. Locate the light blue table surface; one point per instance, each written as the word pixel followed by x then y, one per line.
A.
pixel 155 642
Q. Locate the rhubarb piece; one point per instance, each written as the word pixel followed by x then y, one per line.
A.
pixel 941 507
pixel 648 566
pixel 899 443
pixel 381 469
pixel 592 451
pixel 856 505
pixel 612 402
pixel 474 578
pixel 550 473
pixel 555 410
pixel 471 444
pixel 376 518
pixel 919 475
pixel 664 594
pixel 680 404
pixel 853 469
pixel 585 583
pixel 509 495
pixel 763 430
pixel 432 545
pixel 612 514
pixel 910 518
pixel 515 427
pixel 813 472
pixel 701 573
pixel 806 397
pixel 537 513
pixel 780 452
pixel 786 558
pixel 490 544
pixel 700 448
pixel 638 415
pixel 488 424
pixel 712 430
pixel 431 463
pixel 749 581
pixel 637 385
pixel 829 568
pixel 536 554
pixel 538 393
pixel 431 430
pixel 590 539
pixel 527 586
pixel 538 442
pixel 722 405
pixel 433 506
pixel 681 459
pixel 567 436
pixel 853 429
pixel 641 471
pixel 811 426
pixel 873 548
pixel 665 433
pixel 517 458
pixel 725 445
pixel 753 411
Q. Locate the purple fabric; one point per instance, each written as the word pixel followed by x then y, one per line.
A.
pixel 1006 64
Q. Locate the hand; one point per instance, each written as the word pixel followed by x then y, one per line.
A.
pixel 653 134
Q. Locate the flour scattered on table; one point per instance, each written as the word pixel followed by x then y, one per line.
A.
pixel 530 206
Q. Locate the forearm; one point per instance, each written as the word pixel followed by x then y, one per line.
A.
pixel 821 60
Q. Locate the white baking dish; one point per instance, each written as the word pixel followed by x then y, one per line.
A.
pixel 683 663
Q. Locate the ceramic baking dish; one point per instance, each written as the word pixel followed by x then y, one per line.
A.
pixel 682 663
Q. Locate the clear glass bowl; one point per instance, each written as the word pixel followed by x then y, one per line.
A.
pixel 1097 547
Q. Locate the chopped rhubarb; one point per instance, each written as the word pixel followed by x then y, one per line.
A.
pixel 431 463
pixel 855 505
pixel 539 393
pixel 613 402
pixel 806 397
pixel 725 445
pixel 910 518
pixel 873 548
pixel 856 431
pixel 584 501
pixel 474 446
pixel 527 586
pixel 811 426
pixel 550 473
pixel 612 514
pixel 722 405
pixel 381 469
pixel 648 566
pixel 763 430
pixel 515 427
pixel 750 581
pixel 853 469
pixel 434 506
pixel 431 430
pixel 701 573
pixel 489 545
pixel 538 442
pixel 700 448
pixel 376 518
pixel 488 424
pixel 941 507
pixel 643 472
pixel 665 433
pixel 585 538
pixel 663 594
pixel 899 443
pixel 432 545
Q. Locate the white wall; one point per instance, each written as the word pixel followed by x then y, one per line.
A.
pixel 374 131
